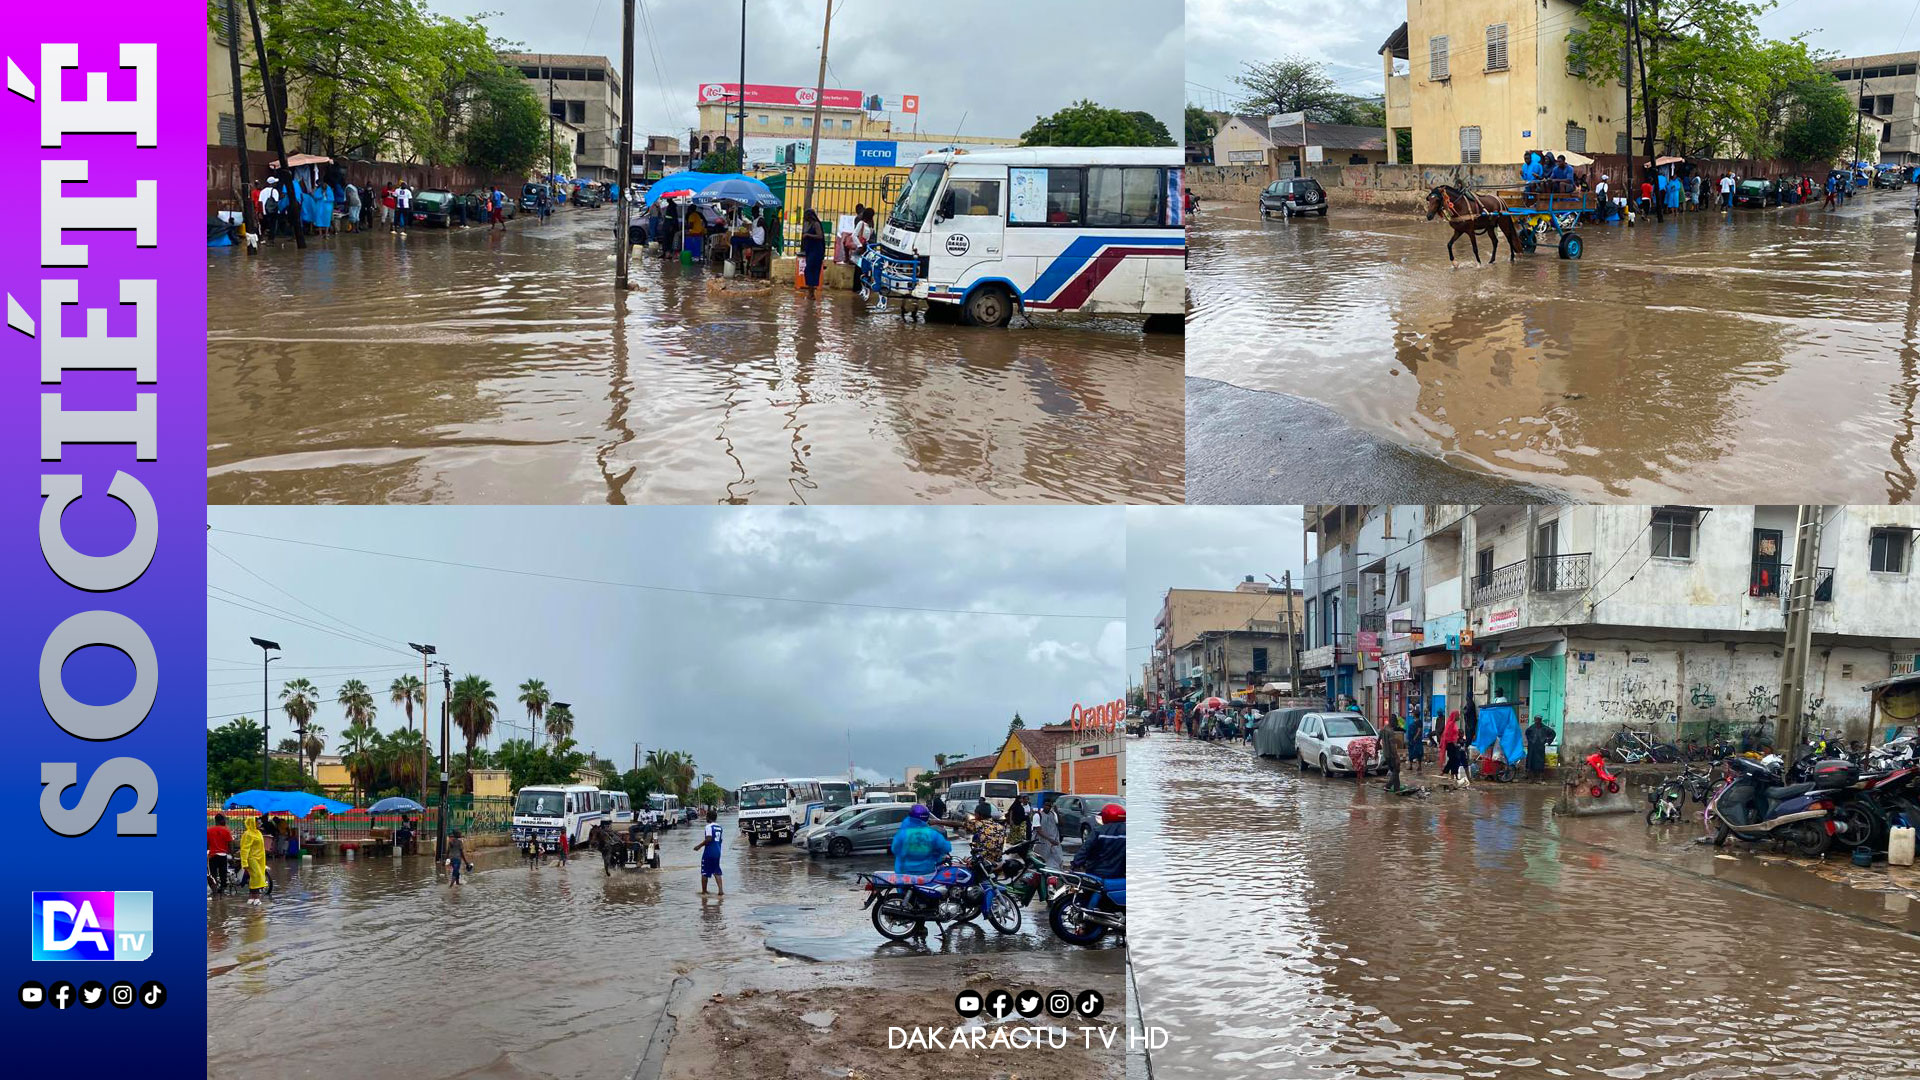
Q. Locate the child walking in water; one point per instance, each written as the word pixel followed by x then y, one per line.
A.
pixel 456 855
pixel 709 849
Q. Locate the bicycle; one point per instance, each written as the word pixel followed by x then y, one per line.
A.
pixel 1636 747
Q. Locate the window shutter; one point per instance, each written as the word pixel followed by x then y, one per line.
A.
pixel 229 132
pixel 1437 58
pixel 1470 145
pixel 1497 47
pixel 1576 138
pixel 1621 143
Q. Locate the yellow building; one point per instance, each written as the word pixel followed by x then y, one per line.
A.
pixel 1484 81
pixel 492 784
pixel 222 129
pixel 1028 756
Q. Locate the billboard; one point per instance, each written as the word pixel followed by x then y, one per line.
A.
pixel 893 103
pixel 801 97
pixel 868 152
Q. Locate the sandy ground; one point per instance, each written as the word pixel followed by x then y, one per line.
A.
pixel 831 1020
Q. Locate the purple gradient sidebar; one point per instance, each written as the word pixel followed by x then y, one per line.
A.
pixel 46 588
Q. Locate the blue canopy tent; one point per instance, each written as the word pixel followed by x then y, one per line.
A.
pixel 1500 724
pixel 297 803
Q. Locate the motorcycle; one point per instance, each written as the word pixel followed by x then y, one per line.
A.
pixel 1024 876
pixel 1084 908
pixel 903 904
pixel 1752 805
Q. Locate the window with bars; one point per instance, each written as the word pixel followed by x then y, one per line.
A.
pixel 1470 145
pixel 1497 47
pixel 1437 58
pixel 229 131
pixel 1576 138
pixel 1622 144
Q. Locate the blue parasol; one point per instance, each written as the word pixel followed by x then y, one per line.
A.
pixel 737 189
pixel 395 804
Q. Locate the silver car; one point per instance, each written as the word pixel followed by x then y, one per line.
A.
pixel 1323 737
pixel 800 838
pixel 858 830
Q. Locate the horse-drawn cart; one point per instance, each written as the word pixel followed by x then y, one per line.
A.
pixel 635 849
pixel 1537 212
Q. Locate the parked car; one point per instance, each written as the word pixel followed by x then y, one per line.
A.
pixel 835 818
pixel 1322 740
pixel 858 830
pixel 1299 195
pixel 1890 177
pixel 1756 193
pixel 1275 736
pixel 530 196
pixel 433 206
pixel 589 196
pixel 1080 814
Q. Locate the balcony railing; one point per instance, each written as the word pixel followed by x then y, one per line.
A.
pixel 1500 583
pixel 1373 621
pixel 1822 584
pixel 1562 573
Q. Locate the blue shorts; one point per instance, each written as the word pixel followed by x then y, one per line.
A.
pixel 710 863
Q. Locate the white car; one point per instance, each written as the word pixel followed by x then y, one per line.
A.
pixel 1323 737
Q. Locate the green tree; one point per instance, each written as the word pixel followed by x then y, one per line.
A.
pixel 299 700
pixel 709 794
pixel 559 722
pixel 559 159
pixel 638 784
pixel 1822 124
pixel 507 128
pixel 1016 724
pixel 406 692
pixel 474 711
pixel 404 748
pixel 359 752
pixel 721 161
pixel 1291 84
pixel 1200 126
pixel 1086 124
pixel 534 698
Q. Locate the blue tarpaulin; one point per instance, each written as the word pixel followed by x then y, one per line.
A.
pixel 297 803
pixel 1499 724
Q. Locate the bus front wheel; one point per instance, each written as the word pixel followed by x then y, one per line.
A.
pixel 989 305
pixel 753 839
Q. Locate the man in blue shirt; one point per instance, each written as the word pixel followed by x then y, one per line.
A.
pixel 709 849
pixel 919 848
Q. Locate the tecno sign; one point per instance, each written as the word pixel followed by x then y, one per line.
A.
pixel 802 97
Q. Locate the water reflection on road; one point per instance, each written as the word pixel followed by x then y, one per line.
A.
pixel 377 969
pixel 499 368
pixel 1295 926
pixel 1769 357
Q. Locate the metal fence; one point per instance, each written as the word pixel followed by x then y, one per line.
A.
pixel 473 816
pixel 1561 573
pixel 831 199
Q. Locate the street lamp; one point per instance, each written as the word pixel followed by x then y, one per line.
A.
pixel 426 653
pixel 266 744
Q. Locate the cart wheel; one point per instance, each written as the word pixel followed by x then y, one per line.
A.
pixel 1570 246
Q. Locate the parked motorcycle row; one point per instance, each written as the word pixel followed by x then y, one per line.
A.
pixel 1843 799
pixel 1081 908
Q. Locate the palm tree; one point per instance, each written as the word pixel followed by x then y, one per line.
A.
pixel 559 723
pixel 534 695
pixel 406 748
pixel 299 700
pixel 356 701
pixel 359 749
pixel 474 710
pixel 315 741
pixel 407 691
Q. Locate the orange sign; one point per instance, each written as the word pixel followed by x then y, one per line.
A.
pixel 1105 717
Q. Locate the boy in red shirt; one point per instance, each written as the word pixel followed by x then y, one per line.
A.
pixel 1646 196
pixel 219 842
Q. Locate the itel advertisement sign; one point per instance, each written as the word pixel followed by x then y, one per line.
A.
pixel 794 96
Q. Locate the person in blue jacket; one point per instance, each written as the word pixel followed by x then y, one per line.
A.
pixel 919 848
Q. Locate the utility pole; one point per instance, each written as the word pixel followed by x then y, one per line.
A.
pixel 741 146
pixel 1293 636
pixel 1793 661
pixel 426 679
pixel 1626 68
pixel 624 250
pixel 276 124
pixel 446 717
pixel 819 91
pixel 266 744
pixel 551 170
pixel 247 215
pixel 1857 112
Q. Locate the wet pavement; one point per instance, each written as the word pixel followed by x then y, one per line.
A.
pixel 479 367
pixel 1767 358
pixel 1296 927
pixel 376 969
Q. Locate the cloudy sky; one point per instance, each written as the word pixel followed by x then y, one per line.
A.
pixel 1224 34
pixel 1200 547
pixel 751 687
pixel 997 66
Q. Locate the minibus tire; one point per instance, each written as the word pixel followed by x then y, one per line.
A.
pixel 988 305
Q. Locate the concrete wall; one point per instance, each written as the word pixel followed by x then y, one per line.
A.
pixel 1527 106
pixel 1400 188
pixel 1648 682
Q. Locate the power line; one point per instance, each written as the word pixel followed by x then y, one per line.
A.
pixel 271 611
pixel 669 588
pixel 297 600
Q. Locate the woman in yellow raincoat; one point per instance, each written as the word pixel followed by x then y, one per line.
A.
pixel 253 858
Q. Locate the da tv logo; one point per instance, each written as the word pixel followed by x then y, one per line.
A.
pixel 92 925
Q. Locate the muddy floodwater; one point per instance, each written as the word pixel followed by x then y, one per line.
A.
pixel 373 969
pixel 1295 927
pixel 472 367
pixel 1773 356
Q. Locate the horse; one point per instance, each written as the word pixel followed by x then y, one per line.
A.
pixel 613 847
pixel 1471 214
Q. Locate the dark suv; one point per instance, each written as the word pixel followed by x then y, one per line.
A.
pixel 1300 195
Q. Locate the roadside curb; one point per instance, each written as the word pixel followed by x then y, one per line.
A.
pixel 653 1054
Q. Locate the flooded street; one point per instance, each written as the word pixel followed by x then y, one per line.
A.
pixel 472 367
pixel 1772 357
pixel 1297 927
pixel 373 969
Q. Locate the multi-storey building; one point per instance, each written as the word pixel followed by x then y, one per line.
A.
pixel 1221 640
pixel 1365 607
pixel 1887 89
pixel 583 91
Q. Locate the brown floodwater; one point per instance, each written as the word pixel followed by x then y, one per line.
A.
pixel 1773 357
pixel 375 970
pixel 472 367
pixel 1290 926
